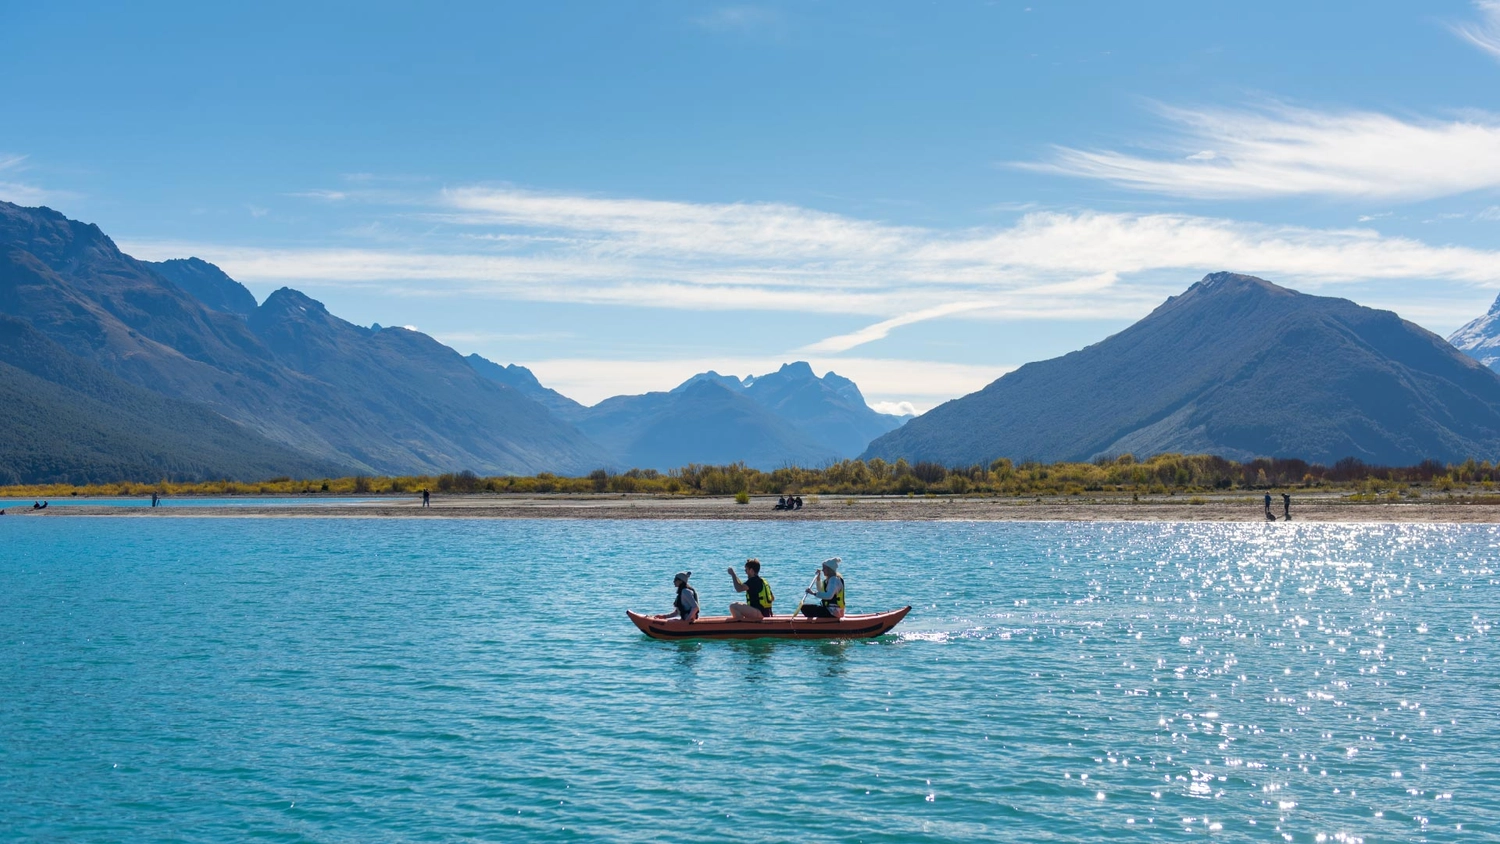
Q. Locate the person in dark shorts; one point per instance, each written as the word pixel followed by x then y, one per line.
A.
pixel 1286 506
pixel 758 595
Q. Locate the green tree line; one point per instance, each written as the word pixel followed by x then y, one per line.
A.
pixel 1161 474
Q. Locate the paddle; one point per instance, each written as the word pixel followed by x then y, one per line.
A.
pixel 809 590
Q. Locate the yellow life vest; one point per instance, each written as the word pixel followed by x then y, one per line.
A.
pixel 838 597
pixel 763 600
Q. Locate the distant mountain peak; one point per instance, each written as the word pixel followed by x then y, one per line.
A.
pixel 728 382
pixel 208 284
pixel 520 378
pixel 288 300
pixel 1227 282
pixel 1480 339
pixel 1235 366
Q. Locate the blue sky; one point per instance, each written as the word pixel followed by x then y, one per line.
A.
pixel 920 196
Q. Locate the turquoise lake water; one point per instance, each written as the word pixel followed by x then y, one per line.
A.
pixel 234 501
pixel 349 680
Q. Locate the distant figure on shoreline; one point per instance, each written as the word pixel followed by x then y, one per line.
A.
pixel 799 502
pixel 1269 515
pixel 155 499
pixel 426 498
pixel 1286 506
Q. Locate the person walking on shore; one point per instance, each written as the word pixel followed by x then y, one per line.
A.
pixel 1286 506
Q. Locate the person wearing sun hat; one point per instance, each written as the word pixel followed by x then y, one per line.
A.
pixel 829 593
pixel 685 605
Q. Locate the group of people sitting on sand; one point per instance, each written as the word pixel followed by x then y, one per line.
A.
pixel 827 589
pixel 788 502
pixel 35 505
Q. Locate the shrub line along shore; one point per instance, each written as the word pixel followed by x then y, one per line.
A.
pixel 1461 507
pixel 1167 487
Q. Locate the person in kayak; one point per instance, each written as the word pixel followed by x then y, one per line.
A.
pixel 758 595
pixel 829 593
pixel 685 605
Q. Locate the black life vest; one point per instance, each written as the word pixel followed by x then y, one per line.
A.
pixel 758 594
pixel 681 607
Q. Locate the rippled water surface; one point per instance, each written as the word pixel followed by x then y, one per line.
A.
pixel 359 680
pixel 189 501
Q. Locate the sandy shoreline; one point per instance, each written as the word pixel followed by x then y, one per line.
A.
pixel 1315 507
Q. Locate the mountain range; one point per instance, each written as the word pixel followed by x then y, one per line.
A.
pixel 329 394
pixel 788 417
pixel 114 368
pixel 1235 366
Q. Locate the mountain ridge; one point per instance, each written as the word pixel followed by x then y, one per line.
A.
pixel 1234 366
pixel 405 407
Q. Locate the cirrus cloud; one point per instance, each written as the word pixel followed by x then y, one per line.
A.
pixel 528 245
pixel 1484 33
pixel 1284 151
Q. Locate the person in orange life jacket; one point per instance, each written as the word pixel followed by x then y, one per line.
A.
pixel 685 606
pixel 758 595
pixel 830 593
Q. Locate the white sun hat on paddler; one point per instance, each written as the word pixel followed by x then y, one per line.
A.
pixel 832 564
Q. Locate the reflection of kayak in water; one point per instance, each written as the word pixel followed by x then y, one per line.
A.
pixel 776 627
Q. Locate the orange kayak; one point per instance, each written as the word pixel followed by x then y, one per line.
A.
pixel 863 626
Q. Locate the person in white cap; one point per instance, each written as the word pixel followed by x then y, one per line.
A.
pixel 685 605
pixel 829 593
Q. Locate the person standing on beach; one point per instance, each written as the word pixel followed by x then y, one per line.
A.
pixel 1286 506
pixel 427 498
pixel 1269 515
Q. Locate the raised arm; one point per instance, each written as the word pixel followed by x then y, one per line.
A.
pixel 738 586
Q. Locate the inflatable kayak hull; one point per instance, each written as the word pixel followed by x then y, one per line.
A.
pixel 863 626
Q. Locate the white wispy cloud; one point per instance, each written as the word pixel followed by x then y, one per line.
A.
pixel 22 193
pixel 516 245
pixel 883 329
pixel 525 245
pixel 1484 33
pixel 321 193
pixel 744 19
pixel 1285 151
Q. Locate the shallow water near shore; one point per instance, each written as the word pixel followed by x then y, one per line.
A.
pixel 352 680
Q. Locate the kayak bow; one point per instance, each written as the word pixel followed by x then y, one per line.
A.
pixel 862 626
